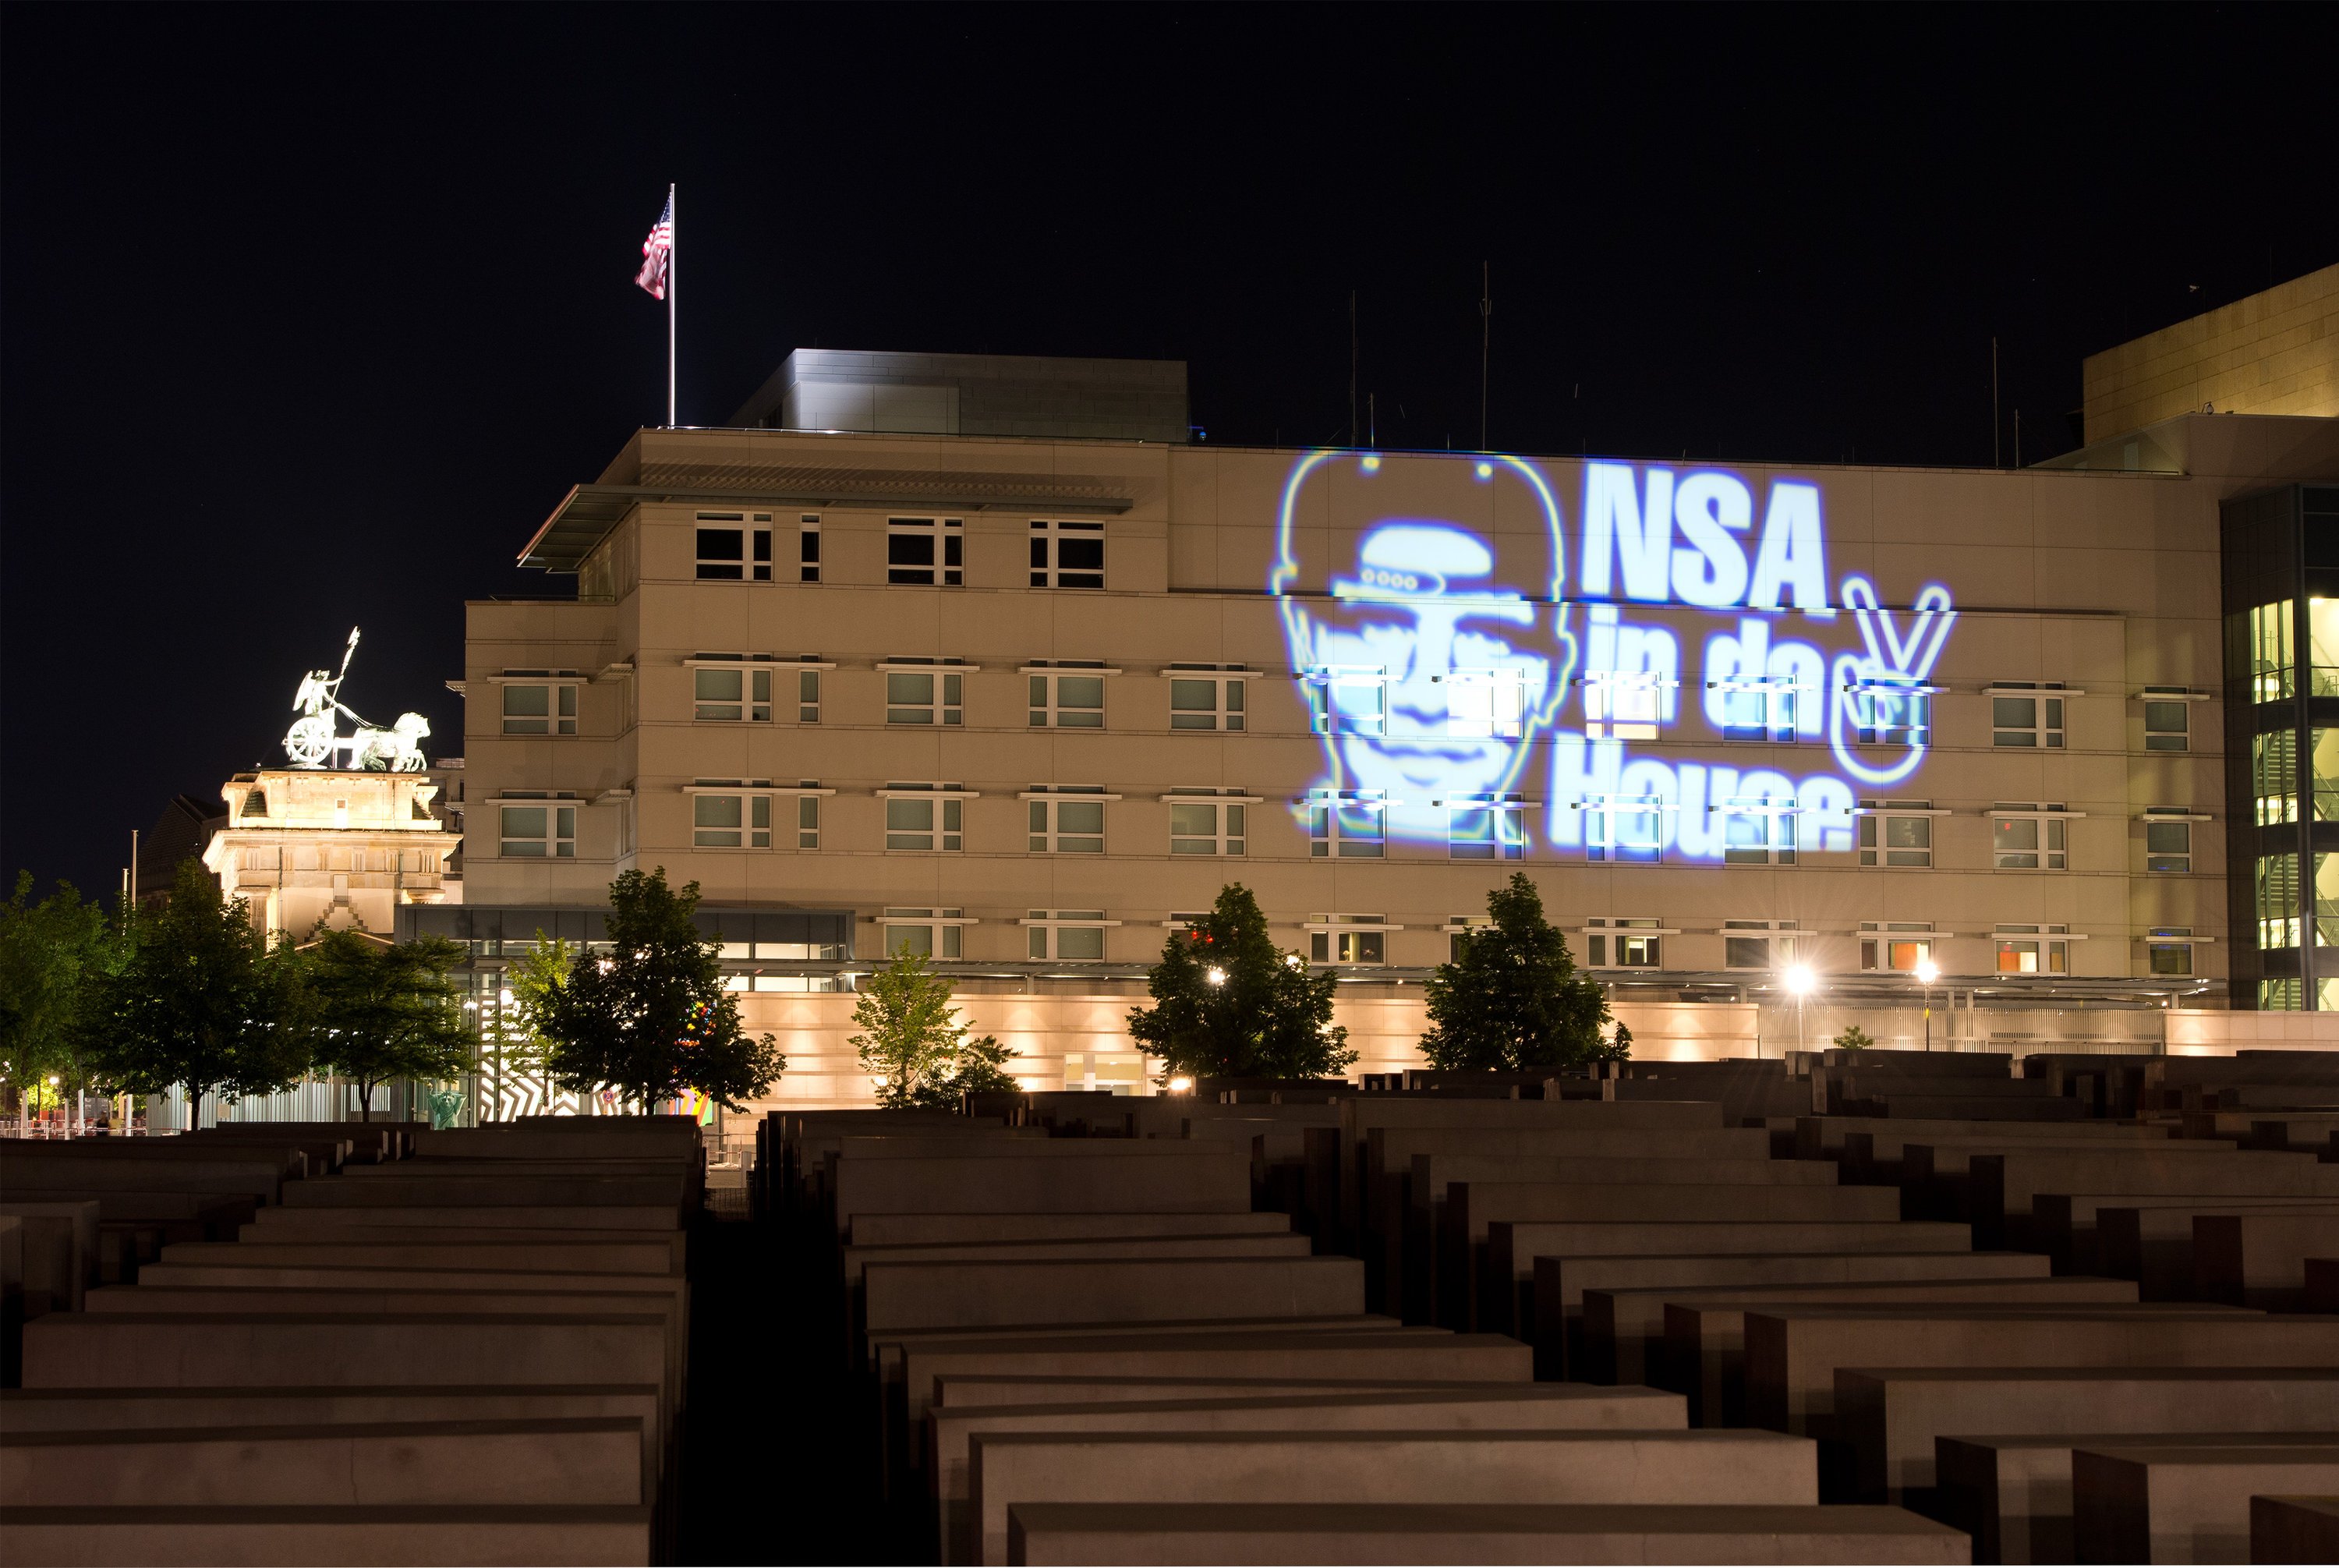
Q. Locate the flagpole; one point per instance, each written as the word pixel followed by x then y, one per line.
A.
pixel 671 258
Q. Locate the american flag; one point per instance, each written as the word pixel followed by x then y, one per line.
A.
pixel 656 249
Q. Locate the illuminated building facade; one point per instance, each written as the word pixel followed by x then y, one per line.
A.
pixel 1020 700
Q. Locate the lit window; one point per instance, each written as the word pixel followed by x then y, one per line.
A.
pixel 1067 555
pixel 2168 847
pixel 2325 893
pixel 916 824
pixel 1067 702
pixel 1900 945
pixel 1900 838
pixel 2168 957
pixel 808 549
pixel 915 698
pixel 726 820
pixel 2282 995
pixel 807 696
pixel 1061 825
pixel 1347 702
pixel 923 933
pixel 1625 830
pixel 2277 900
pixel 1625 944
pixel 1066 935
pixel 1347 826
pixel 1199 700
pixel 1622 706
pixel 925 550
pixel 1763 944
pixel 538 831
pixel 1484 828
pixel 2034 722
pixel 533 709
pixel 2027 838
pixel 2273 776
pixel 2168 726
pixel 2033 950
pixel 1203 826
pixel 1482 705
pixel 1756 711
pixel 733 696
pixel 2273 651
pixel 1758 833
pixel 2323 647
pixel 2323 759
pixel 1892 715
pixel 1337 944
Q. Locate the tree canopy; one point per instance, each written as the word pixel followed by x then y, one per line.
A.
pixel 54 955
pixel 1512 997
pixel 1229 1003
pixel 911 1040
pixel 382 1010
pixel 651 1017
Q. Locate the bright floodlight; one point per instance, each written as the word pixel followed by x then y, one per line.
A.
pixel 1181 1086
pixel 1215 976
pixel 1927 972
pixel 1798 979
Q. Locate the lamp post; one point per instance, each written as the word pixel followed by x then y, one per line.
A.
pixel 1927 972
pixel 1798 981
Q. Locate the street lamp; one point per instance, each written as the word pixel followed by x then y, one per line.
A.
pixel 1800 981
pixel 1927 972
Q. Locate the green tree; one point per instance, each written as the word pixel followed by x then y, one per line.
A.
pixel 53 954
pixel 384 1010
pixel 1512 999
pixel 651 1017
pixel 1853 1038
pixel 911 1039
pixel 1229 1003
pixel 981 1067
pixel 533 979
pixel 203 1002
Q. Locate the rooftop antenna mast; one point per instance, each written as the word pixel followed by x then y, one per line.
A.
pixel 1486 341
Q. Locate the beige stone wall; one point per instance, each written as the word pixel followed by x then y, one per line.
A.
pixel 2277 352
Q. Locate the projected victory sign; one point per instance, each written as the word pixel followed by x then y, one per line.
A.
pixel 1467 690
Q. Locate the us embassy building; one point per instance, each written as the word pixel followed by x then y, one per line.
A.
pixel 987 658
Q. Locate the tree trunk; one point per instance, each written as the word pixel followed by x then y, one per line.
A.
pixel 365 1100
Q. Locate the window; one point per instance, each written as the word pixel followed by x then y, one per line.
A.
pixel 1341 939
pixel 2277 893
pixel 808 547
pixel 736 552
pixel 807 696
pixel 1892 715
pixel 1625 944
pixel 927 551
pixel 2027 837
pixel 2325 893
pixel 1200 700
pixel 2323 760
pixel 2166 956
pixel 1067 935
pixel 2282 995
pixel 1484 828
pixel 922 817
pixel 1625 830
pixel 2021 721
pixel 1756 710
pixel 1347 701
pixel 2168 847
pixel 2323 647
pixel 1346 825
pixel 2033 950
pixel 808 818
pixel 1203 825
pixel 2273 776
pixel 2273 656
pixel 2167 723
pixel 1481 705
pixel 1062 824
pixel 1067 701
pixel 533 708
pixel 1895 944
pixel 720 819
pixel 926 932
pixel 1757 832
pixel 1622 706
pixel 733 696
pixel 1459 928
pixel 1067 555
pixel 1896 833
pixel 539 831
pixel 1758 943
pixel 918 697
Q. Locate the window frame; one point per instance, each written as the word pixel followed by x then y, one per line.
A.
pixel 1046 927
pixel 1229 817
pixel 1874 839
pixel 944 831
pixel 753 559
pixel 1505 822
pixel 1045 833
pixel 1642 935
pixel 2165 860
pixel 1045 705
pixel 561 703
pixel 944 930
pixel 808 547
pixel 1625 704
pixel 752 827
pixel 2051 945
pixel 2172 939
pixel 1326 713
pixel 1230 709
pixel 558 834
pixel 1604 818
pixel 2167 700
pixel 946 567
pixel 1881 940
pixel 947 681
pixel 1349 940
pixel 1047 570
pixel 1329 814
pixel 1875 724
pixel 1506 689
pixel 1776 816
pixel 1779 940
pixel 2047 726
pixel 2050 848
pixel 757 684
pixel 1776 698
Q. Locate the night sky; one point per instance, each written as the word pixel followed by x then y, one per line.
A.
pixel 312 314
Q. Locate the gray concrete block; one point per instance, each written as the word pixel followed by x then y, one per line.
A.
pixel 2184 1504
pixel 666 1192
pixel 2064 1225
pixel 59 1243
pixel 1203 1182
pixel 2000 1186
pixel 2294 1529
pixel 2013 1495
pixel 2259 1260
pixel 1403 1533
pixel 653 1255
pixel 576 1461
pixel 963 1391
pixel 1351 1467
pixel 1823 1137
pixel 298 1537
pixel 957 1294
pixel 916 1230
